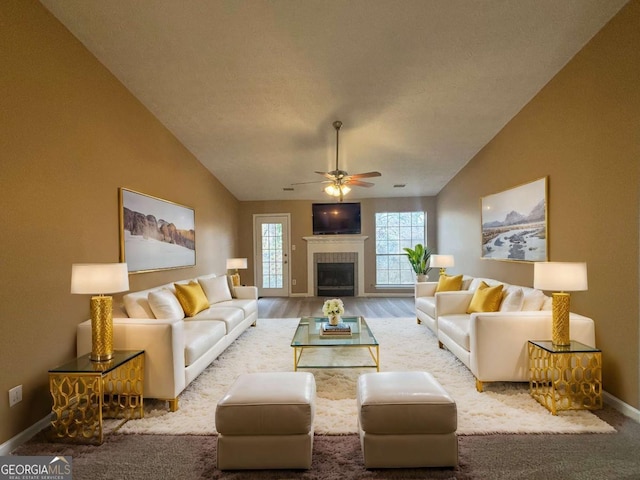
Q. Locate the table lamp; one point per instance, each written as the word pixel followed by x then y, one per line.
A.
pixel 235 264
pixel 97 279
pixel 441 262
pixel 563 276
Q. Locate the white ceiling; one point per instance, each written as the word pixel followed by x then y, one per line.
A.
pixel 251 88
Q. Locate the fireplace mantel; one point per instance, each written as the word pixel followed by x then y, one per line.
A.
pixel 334 243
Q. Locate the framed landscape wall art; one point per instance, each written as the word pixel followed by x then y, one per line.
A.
pixel 155 234
pixel 514 223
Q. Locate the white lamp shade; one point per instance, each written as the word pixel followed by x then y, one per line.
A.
pixel 99 278
pixel 560 276
pixel 236 263
pixel 441 261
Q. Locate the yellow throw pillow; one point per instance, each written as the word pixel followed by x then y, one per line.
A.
pixel 448 283
pixel 486 299
pixel 191 297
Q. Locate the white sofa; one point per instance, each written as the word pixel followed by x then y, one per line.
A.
pixel 178 348
pixel 493 345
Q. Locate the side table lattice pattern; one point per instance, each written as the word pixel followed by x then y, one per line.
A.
pixel 565 377
pixel 86 392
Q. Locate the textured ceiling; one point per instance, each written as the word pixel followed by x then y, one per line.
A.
pixel 252 87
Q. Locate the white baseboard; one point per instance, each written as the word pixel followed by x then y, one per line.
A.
pixel 624 408
pixel 7 447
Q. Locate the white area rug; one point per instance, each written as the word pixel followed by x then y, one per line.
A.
pixel 404 345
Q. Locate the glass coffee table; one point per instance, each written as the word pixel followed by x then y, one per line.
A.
pixel 308 336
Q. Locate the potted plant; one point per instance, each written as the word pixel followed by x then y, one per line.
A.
pixel 419 260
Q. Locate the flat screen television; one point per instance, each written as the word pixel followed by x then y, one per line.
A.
pixel 336 218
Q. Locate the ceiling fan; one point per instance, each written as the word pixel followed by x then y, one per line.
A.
pixel 340 181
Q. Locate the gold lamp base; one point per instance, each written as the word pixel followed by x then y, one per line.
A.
pixel 235 279
pixel 560 328
pixel 101 328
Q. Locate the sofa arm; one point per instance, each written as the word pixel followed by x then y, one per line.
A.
pixel 498 341
pixel 448 303
pixel 163 342
pixel 425 289
pixel 243 292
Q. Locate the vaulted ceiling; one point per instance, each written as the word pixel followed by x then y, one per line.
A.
pixel 251 88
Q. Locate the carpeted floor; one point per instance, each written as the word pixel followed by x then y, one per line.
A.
pixel 486 457
pixel 404 345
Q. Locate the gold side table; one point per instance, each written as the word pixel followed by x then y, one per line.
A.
pixel 84 392
pixel 565 377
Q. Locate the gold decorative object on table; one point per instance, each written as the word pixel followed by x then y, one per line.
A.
pixel 235 264
pixel 85 391
pixel 565 377
pixel 563 276
pixel 100 278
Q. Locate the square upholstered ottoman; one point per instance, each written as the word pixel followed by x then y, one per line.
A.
pixel 265 420
pixel 406 419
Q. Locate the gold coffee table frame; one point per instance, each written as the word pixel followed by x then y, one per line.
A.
pixel 565 377
pixel 84 392
pixel 307 336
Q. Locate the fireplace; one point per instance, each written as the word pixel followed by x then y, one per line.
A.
pixel 335 280
pixel 335 274
pixel 335 249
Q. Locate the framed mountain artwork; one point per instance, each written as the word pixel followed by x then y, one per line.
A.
pixel 514 223
pixel 155 234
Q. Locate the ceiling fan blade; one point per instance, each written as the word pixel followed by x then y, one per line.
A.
pixel 316 181
pixel 366 175
pixel 326 174
pixel 359 183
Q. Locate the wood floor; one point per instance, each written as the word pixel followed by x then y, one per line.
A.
pixel 376 307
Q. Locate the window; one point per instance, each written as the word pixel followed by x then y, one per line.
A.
pixel 272 255
pixel 394 231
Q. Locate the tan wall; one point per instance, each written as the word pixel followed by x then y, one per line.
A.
pixel 582 131
pixel 301 227
pixel 71 134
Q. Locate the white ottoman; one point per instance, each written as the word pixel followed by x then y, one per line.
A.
pixel 406 419
pixel 265 421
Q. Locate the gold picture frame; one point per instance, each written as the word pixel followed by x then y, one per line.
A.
pixel 155 234
pixel 514 223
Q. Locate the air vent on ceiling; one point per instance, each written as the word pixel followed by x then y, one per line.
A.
pixel 400 185
pixel 288 189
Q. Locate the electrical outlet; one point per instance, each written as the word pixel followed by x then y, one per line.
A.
pixel 15 395
pixel 293 282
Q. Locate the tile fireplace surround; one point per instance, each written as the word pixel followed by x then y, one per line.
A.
pixel 335 244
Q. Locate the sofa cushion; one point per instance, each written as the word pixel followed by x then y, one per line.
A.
pixel 448 283
pixel 216 289
pixel 230 316
pixel 165 305
pixel 456 327
pixel 427 305
pixel 191 297
pixel 249 306
pixel 533 300
pixel 485 299
pixel 200 336
pixel 513 300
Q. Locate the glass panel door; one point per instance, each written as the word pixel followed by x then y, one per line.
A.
pixel 272 255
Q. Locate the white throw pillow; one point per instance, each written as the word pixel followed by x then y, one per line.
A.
pixel 165 305
pixel 216 289
pixel 513 300
pixel 548 303
pixel 533 301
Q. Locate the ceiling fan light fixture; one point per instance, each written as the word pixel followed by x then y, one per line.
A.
pixel 337 190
